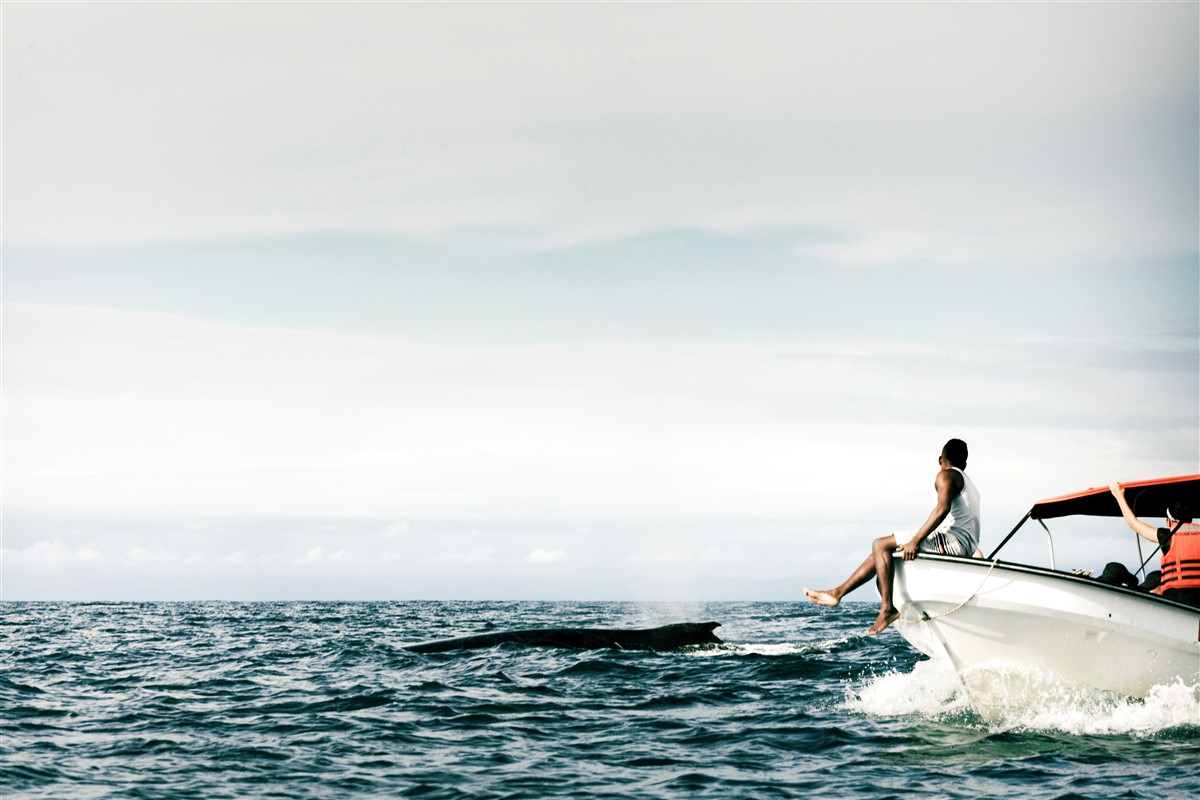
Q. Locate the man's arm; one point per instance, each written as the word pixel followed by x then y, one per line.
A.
pixel 1143 529
pixel 947 490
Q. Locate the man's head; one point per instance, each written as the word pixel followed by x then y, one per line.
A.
pixel 1179 512
pixel 955 452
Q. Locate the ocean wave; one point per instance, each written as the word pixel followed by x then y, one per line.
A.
pixel 1010 697
pixel 146 701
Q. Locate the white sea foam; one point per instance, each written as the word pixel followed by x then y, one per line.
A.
pixel 930 689
pixel 1016 698
pixel 775 648
pixel 781 649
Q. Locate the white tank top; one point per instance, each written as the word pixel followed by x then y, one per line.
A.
pixel 963 520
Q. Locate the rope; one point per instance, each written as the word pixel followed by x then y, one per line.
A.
pixel 925 617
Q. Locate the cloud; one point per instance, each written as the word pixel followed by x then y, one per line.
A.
pixel 49 554
pixel 396 529
pixel 126 413
pixel 726 272
pixel 1068 127
pixel 319 555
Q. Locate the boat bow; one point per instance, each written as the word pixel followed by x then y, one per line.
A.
pixel 985 613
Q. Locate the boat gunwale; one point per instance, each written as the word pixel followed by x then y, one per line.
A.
pixel 1033 569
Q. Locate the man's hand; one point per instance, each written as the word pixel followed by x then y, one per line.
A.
pixel 910 549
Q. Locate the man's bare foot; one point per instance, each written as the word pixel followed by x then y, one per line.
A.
pixel 884 619
pixel 822 598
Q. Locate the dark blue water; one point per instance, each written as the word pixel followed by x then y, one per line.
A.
pixel 318 700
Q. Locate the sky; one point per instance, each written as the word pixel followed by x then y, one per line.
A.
pixel 645 301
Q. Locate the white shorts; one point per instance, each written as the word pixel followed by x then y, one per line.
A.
pixel 946 544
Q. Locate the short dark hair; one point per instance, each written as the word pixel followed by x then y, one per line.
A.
pixel 1180 512
pixel 955 452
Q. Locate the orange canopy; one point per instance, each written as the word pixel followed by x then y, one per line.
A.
pixel 1145 498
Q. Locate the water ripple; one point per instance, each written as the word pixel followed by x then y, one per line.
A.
pixel 319 700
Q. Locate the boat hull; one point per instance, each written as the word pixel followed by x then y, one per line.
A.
pixel 981 615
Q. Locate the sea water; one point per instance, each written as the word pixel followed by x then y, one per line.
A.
pixel 320 700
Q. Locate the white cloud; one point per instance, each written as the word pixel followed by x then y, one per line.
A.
pixel 396 529
pixel 319 555
pixel 49 554
pixel 1028 127
pixel 542 556
pixel 977 135
pixel 124 413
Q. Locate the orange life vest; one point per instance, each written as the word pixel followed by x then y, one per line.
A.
pixel 1181 563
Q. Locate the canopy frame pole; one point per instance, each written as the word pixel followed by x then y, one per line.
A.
pixel 1011 533
pixel 1142 568
pixel 1050 540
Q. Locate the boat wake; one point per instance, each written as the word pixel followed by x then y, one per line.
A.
pixel 1007 697
pixel 779 649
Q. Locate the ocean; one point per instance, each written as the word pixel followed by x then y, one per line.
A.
pixel 319 700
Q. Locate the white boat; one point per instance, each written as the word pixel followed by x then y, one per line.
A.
pixel 986 614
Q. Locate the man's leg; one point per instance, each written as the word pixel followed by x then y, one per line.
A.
pixel 885 571
pixel 866 570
